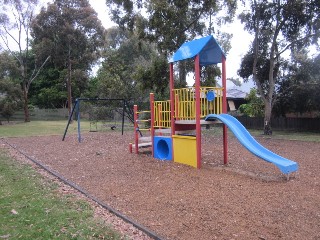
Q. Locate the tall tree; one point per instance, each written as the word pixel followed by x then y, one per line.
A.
pixel 299 89
pixel 170 23
pixel 10 90
pixel 15 23
pixel 277 26
pixel 131 69
pixel 49 91
pixel 70 31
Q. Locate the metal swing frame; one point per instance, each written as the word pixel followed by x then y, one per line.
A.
pixel 76 106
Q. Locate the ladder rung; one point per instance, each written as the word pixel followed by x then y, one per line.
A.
pixel 143 112
pixel 141 145
pixel 143 120
pixel 143 129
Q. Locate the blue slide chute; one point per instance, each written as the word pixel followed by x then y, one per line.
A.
pixel 286 166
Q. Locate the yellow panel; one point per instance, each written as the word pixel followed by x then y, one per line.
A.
pixel 185 150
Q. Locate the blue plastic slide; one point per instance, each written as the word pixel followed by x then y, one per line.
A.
pixel 286 166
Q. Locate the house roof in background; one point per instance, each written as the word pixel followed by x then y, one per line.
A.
pixel 236 94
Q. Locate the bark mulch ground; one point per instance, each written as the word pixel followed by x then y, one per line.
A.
pixel 248 199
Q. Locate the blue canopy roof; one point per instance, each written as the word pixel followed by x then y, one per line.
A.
pixel 207 47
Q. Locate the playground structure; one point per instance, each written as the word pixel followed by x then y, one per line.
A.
pixel 93 124
pixel 175 124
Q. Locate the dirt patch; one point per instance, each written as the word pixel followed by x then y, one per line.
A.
pixel 248 199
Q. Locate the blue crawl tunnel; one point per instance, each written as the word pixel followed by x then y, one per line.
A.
pixel 163 148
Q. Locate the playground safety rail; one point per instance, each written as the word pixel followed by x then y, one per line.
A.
pixel 162 111
pixel 185 102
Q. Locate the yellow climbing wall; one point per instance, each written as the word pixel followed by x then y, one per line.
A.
pixel 185 150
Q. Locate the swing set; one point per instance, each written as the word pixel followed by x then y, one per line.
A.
pixel 93 123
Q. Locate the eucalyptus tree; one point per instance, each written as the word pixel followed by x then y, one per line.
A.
pixel 15 23
pixel 299 89
pixel 70 31
pixel 10 90
pixel 277 26
pixel 10 97
pixel 169 24
pixel 130 70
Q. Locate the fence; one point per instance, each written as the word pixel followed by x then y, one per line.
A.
pixel 53 115
pixel 282 123
pixel 41 114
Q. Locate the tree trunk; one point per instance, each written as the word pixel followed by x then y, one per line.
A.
pixel 69 90
pixel 182 74
pixel 267 117
pixel 25 102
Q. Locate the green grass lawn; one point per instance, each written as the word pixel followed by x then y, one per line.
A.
pixel 42 128
pixel 39 128
pixel 32 208
pixel 287 135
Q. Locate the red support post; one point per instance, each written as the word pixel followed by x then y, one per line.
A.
pixel 224 110
pixel 198 110
pixel 172 109
pixel 152 120
pixel 172 100
pixel 136 137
